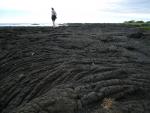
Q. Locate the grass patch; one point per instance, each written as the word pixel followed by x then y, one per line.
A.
pixel 139 24
pixel 145 27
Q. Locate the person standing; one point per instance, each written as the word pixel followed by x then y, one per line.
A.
pixel 54 16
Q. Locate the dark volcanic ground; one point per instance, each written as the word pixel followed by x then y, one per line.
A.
pixel 81 68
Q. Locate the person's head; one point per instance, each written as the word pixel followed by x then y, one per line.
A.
pixel 52 8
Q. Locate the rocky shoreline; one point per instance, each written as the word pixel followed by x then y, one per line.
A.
pixel 80 68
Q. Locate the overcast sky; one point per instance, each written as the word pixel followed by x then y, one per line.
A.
pixel 81 11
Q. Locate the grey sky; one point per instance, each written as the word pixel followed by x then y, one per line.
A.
pixel 92 11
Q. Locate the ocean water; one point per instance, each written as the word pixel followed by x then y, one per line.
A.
pixel 24 24
pixel 27 24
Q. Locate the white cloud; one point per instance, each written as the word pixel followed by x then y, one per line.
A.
pixel 24 4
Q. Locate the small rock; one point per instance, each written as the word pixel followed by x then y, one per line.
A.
pixel 32 53
pixel 136 35
pixel 21 75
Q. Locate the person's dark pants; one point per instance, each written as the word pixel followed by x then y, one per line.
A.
pixel 53 17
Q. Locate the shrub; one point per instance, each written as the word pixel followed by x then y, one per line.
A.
pixel 131 21
pixel 140 21
pixel 148 22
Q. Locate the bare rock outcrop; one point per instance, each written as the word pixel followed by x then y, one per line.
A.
pixel 80 68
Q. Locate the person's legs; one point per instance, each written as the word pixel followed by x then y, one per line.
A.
pixel 53 23
pixel 53 20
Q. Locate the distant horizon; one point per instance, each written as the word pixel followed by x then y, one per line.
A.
pixel 45 24
pixel 70 22
pixel 74 11
pixel 73 22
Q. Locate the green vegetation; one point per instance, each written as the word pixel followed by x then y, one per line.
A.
pixel 139 24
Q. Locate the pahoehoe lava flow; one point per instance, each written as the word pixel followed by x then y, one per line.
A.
pixel 79 68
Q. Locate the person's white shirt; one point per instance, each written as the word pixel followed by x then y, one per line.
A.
pixel 53 12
